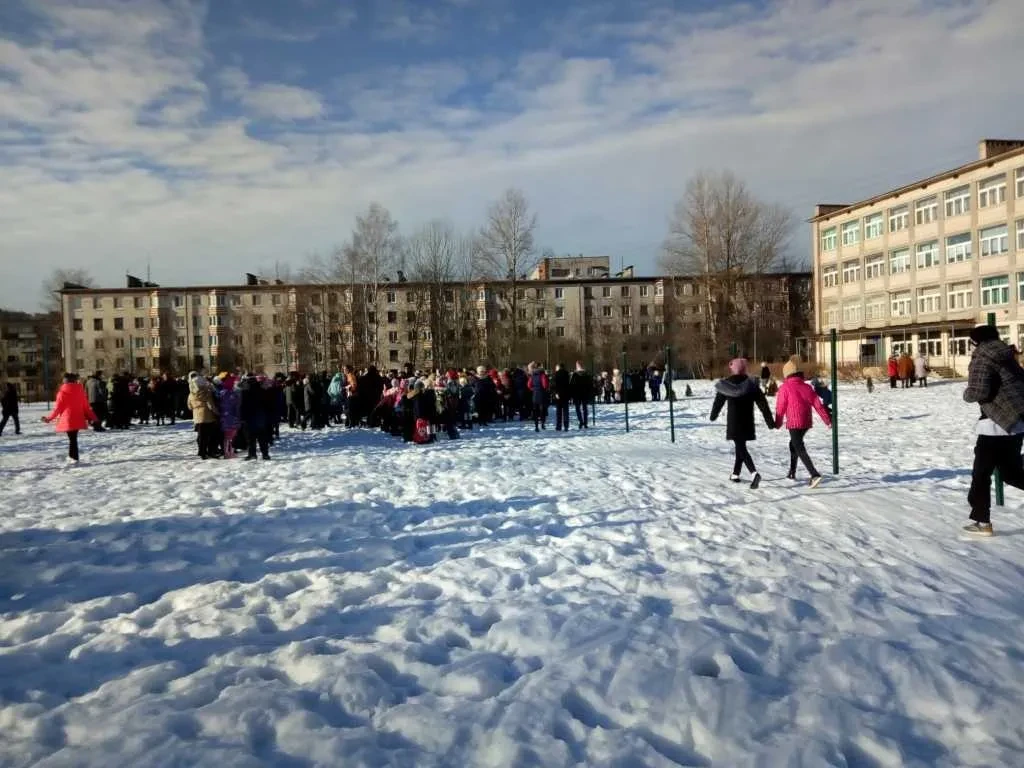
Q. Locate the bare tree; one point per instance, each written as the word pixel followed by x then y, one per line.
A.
pixel 723 236
pixel 377 253
pixel 49 296
pixel 507 250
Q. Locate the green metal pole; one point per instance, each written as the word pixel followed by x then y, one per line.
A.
pixel 46 368
pixel 997 476
pixel 593 397
pixel 835 404
pixel 671 397
pixel 625 398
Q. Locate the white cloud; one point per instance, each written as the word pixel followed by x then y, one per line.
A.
pixel 110 149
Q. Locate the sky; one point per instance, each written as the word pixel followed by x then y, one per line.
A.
pixel 203 140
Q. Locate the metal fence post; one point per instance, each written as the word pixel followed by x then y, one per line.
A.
pixel 996 475
pixel 671 394
pixel 835 405
pixel 625 398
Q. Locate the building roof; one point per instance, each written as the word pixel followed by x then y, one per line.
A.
pixel 833 210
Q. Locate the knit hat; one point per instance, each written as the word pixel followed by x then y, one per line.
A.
pixel 983 333
pixel 791 367
pixel 738 367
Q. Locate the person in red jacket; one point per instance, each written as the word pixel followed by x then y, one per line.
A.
pixel 892 371
pixel 793 405
pixel 71 412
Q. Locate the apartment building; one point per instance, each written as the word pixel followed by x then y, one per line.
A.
pixel 915 268
pixel 275 327
pixel 30 354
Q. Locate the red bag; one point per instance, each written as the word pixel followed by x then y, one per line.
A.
pixel 422 432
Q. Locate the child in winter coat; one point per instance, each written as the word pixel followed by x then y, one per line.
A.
pixel 205 415
pixel 793 407
pixel 230 421
pixel 742 393
pixel 539 387
pixel 72 413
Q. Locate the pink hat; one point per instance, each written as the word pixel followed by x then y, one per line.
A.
pixel 738 367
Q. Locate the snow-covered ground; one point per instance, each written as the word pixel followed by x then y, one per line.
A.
pixel 596 599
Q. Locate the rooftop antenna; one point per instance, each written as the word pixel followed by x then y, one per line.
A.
pixel 148 263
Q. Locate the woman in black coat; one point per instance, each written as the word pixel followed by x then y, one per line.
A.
pixel 742 393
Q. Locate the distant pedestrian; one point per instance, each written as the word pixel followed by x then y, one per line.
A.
pixel 995 381
pixel 892 369
pixel 72 413
pixel 9 408
pixel 766 376
pixel 921 370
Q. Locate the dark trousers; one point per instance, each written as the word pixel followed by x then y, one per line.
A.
pixel 255 435
pixel 923 382
pixel 992 453
pixel 17 423
pixel 797 450
pixel 100 409
pixel 540 416
pixel 73 445
pixel 582 414
pixel 743 457
pixel 892 382
pixel 206 439
pixel 562 414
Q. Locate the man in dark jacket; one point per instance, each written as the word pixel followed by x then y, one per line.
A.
pixel 995 381
pixel 486 395
pixel 561 394
pixel 96 391
pixel 538 384
pixel 252 412
pixel 741 393
pixel 9 408
pixel 581 390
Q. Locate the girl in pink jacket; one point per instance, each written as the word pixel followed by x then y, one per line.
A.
pixel 71 412
pixel 793 406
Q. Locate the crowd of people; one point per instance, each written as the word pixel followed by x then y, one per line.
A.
pixel 907 371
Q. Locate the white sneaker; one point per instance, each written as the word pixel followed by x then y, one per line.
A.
pixel 71 462
pixel 979 529
pixel 734 478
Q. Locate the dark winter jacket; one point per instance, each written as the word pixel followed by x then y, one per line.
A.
pixel 560 385
pixel 425 405
pixel 581 386
pixel 9 401
pixel 995 381
pixel 538 384
pixel 251 408
pixel 742 394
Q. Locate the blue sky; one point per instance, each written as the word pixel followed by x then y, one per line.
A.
pixel 210 139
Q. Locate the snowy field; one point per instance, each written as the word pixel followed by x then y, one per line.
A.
pixel 594 599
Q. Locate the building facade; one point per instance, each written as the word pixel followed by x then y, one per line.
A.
pixel 914 269
pixel 30 354
pixel 274 327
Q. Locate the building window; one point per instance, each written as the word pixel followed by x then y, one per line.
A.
pixel 481 314
pixel 901 304
pixel 257 339
pixel 960 296
pixel 898 218
pixel 392 318
pixel 588 292
pixel 118 343
pixel 256 300
pixel 278 339
pixel 393 355
pixel 645 310
pixel 606 292
pixel 179 341
pixel 97 324
pixel 927 210
pixel 155 342
pixel 659 290
pixel 118 323
pixel 97 343
pixel 853 312
pixel 275 299
pixel 994 240
pixel 830 277
pixel 828 239
pixel 118 302
pixel 627 310
pixel 80 364
pixel 588 311
pixel 831 316
pixel 539 331
pixel 560 332
pixel 213 321
pixel 899 261
pixel 851 233
pixel 929 300
pixel 1019 175
pixel 197 342
pixel 958 201
pixel 995 291
pixel 851 272
pixel 958 248
pixel 874 308
pixel 275 320
pixel 1020 235
pixel 220 300
pixel 140 343
pixel 992 191
pixel 139 302
pixel 627 329
pixel 559 313
pixel 410 317
pixel 873 226
pixel 606 311
pixel 391 297
pixel 624 291
pixel 76 324
pixel 645 291
pixel 178 301
pixel 236 300
pixel 541 314
pixel 874 267
pixel 79 344
pixel 928 254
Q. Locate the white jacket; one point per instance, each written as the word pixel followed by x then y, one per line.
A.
pixel 920 367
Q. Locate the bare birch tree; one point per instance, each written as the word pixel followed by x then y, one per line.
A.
pixel 507 250
pixel 378 254
pixel 721 235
